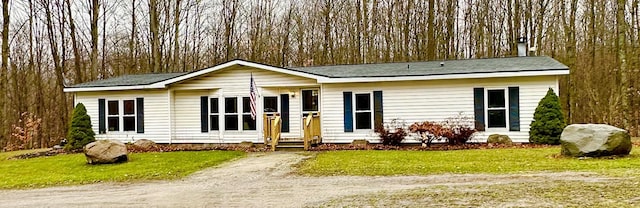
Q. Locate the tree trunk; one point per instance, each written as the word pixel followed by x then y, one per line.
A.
pixel 77 58
pixel 155 61
pixel 176 37
pixel 59 74
pixel 621 44
pixel 4 69
pixel 95 11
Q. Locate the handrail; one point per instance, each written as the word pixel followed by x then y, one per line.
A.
pixel 311 130
pixel 275 132
pixel 271 129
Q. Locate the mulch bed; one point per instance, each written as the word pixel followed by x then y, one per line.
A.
pixel 323 147
pixel 434 147
pixel 51 152
pixel 193 147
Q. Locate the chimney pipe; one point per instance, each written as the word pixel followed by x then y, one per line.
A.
pixel 522 46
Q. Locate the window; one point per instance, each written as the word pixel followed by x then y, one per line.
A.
pixel 113 116
pixel 309 100
pixel 363 111
pixel 247 122
pixel 270 105
pixel 214 114
pixel 129 115
pixel 496 109
pixel 230 113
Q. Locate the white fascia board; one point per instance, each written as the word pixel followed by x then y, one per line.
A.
pixel 441 77
pixel 281 70
pixel 232 63
pixel 114 88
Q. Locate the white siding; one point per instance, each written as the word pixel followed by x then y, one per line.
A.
pixel 156 113
pixel 186 118
pixel 233 82
pixel 413 101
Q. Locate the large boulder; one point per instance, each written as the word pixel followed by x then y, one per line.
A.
pixel 499 139
pixel 144 143
pixel 105 152
pixel 594 140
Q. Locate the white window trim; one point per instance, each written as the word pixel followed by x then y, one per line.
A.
pixel 302 100
pixel 238 113
pixel 355 111
pixel 242 113
pixel 262 103
pixel 134 115
pixel 113 116
pixel 214 114
pixel 506 109
pixel 121 115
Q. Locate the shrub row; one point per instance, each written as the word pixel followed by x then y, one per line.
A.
pixel 455 130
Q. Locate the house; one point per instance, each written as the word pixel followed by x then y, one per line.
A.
pixel 213 105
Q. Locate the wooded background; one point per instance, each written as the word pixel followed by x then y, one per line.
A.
pixel 48 44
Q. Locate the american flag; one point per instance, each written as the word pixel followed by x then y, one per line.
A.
pixel 252 97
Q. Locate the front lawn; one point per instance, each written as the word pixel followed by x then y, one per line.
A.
pixel 495 161
pixel 72 169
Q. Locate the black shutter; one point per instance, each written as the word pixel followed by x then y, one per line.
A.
pixel 377 108
pixel 514 109
pixel 204 117
pixel 348 112
pixel 478 108
pixel 140 115
pixel 102 124
pixel 284 112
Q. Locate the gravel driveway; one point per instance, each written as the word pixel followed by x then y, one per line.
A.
pixel 259 180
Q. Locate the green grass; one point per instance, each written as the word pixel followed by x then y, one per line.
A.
pixel 72 169
pixel 555 194
pixel 495 161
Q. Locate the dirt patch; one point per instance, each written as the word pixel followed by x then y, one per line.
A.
pixel 259 180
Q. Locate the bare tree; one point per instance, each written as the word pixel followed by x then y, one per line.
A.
pixel 5 65
pixel 155 61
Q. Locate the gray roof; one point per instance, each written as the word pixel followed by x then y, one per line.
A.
pixel 130 80
pixel 468 66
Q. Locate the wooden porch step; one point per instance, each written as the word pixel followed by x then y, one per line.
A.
pixel 290 144
pixel 291 139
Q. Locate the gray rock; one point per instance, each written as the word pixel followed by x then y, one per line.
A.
pixel 360 142
pixel 594 140
pixel 105 152
pixel 247 144
pixel 499 139
pixel 144 143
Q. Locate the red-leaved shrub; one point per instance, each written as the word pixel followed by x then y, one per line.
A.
pixel 392 133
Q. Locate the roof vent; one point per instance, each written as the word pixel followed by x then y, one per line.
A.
pixel 441 63
pixel 522 46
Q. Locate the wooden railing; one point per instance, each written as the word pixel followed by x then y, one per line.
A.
pixel 311 128
pixel 272 126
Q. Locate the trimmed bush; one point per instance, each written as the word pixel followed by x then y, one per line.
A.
pixel 429 131
pixel 392 133
pixel 461 129
pixel 548 121
pixel 80 132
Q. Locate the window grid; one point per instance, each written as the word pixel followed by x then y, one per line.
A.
pixel 214 114
pixel 247 122
pixel 496 108
pixel 129 115
pixel 231 113
pixel 113 115
pixel 362 112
